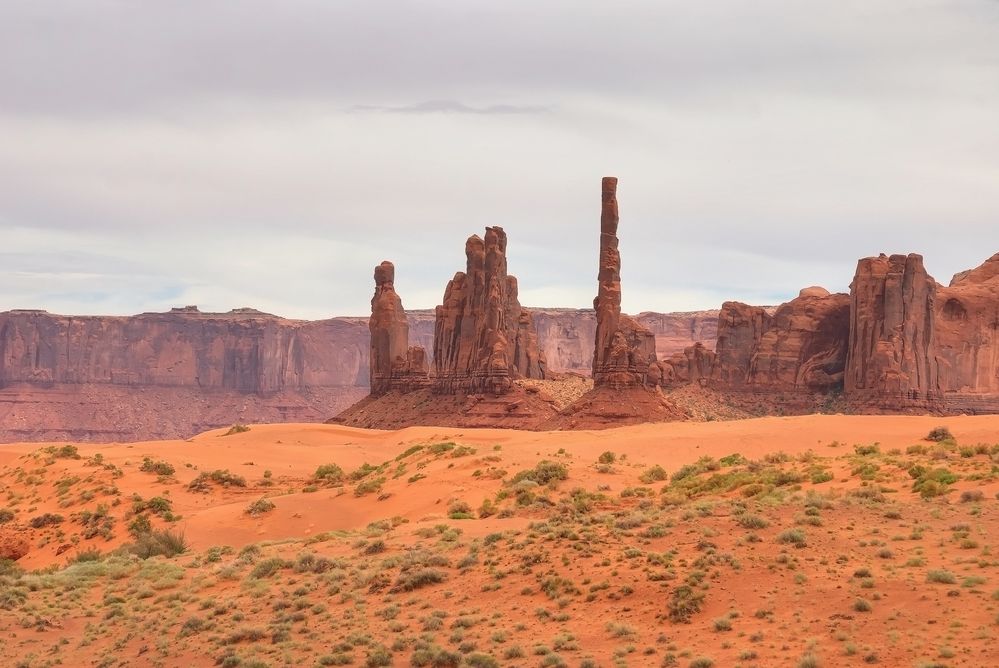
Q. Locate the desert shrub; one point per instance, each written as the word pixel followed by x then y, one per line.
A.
pixel 46 520
pixel 862 605
pixel 6 515
pixel 972 496
pixel 931 482
pixel 268 567
pixel 329 473
pixel 871 449
pixel 89 555
pixel 545 472
pixel 191 626
pixel 221 477
pixel 684 603
pixel 941 577
pixel 418 579
pixel 62 452
pixel 481 661
pixel 607 457
pixel 369 486
pixel 654 474
pixel 794 537
pixel 159 467
pixel 735 459
pixel 158 543
pixel 938 434
pixel 819 477
pixel 750 521
pixel 702 662
pixel 140 525
pixel 460 510
pixel 440 448
pixel 236 429
pixel 259 507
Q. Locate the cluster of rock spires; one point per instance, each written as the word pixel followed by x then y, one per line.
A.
pixel 483 338
pixel 898 341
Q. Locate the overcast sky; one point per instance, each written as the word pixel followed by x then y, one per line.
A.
pixel 270 154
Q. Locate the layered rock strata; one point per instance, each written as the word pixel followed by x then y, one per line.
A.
pixel 891 355
pixel 966 317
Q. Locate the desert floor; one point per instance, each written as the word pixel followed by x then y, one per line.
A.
pixel 801 541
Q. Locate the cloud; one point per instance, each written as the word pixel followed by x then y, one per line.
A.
pixel 270 154
pixel 452 107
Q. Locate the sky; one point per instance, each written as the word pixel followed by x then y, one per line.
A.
pixel 232 153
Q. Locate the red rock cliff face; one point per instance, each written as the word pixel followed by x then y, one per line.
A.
pixel 803 346
pixel 623 349
pixel 740 330
pixel 245 351
pixel 172 375
pixel 966 314
pixel 483 338
pixel 891 356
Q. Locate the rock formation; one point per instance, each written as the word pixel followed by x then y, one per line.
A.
pixel 966 317
pixel 394 364
pixel 800 346
pixel 171 375
pixel 623 349
pixel 567 337
pixel 740 330
pixel 891 359
pixel 803 346
pixel 484 339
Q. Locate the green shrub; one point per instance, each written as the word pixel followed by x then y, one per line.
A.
pixel 941 577
pixel 749 521
pixel 158 543
pixel 220 477
pixel 418 579
pixel 684 603
pixel 329 474
pixel 236 429
pixel 159 467
pixel 268 567
pixel 259 507
pixel 938 434
pixel 794 537
pixel 544 473
pixel 654 474
pixel 369 486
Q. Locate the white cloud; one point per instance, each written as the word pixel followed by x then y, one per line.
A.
pixel 150 160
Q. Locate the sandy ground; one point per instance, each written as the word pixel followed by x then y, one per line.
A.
pixel 575 570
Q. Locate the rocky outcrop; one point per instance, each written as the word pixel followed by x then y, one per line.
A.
pixel 483 338
pixel 891 358
pixel 740 330
pixel 623 349
pixel 966 317
pixel 803 346
pixel 394 364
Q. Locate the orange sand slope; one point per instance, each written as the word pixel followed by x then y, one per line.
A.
pixel 828 538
